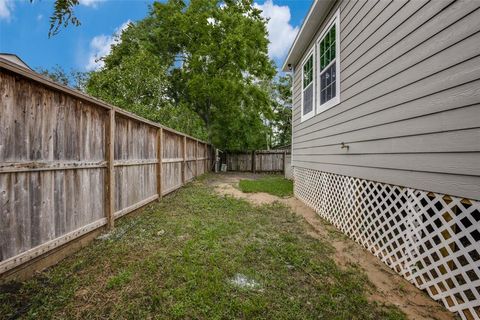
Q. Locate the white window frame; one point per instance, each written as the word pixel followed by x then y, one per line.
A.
pixel 312 54
pixel 334 101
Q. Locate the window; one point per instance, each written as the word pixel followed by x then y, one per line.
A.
pixel 321 72
pixel 329 65
pixel 308 86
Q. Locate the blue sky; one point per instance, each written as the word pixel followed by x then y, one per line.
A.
pixel 24 29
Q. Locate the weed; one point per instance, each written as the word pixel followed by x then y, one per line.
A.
pixel 119 280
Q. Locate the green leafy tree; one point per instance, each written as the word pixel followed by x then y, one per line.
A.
pixel 74 79
pixel 63 15
pixel 138 83
pixel 210 56
pixel 281 123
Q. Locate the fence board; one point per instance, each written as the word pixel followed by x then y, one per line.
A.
pixel 201 158
pixel 70 164
pixel 263 161
pixel 135 142
pixel 172 177
pixel 190 163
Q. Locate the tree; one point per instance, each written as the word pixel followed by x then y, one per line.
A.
pixel 213 56
pixel 281 123
pixel 63 15
pixel 74 79
pixel 138 83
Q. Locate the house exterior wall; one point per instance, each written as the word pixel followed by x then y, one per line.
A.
pixel 410 97
pixel 407 187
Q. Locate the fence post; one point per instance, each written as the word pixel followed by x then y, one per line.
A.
pixel 184 163
pixel 253 161
pixel 110 174
pixel 284 162
pixel 261 162
pixel 159 163
pixel 205 158
pixel 210 156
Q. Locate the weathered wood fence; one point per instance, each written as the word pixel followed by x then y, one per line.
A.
pixel 70 164
pixel 257 161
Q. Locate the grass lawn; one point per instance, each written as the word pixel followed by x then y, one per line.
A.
pixel 276 185
pixel 197 255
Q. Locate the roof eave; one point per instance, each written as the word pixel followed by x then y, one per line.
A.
pixel 316 15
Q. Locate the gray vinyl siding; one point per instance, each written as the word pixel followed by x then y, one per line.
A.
pixel 410 97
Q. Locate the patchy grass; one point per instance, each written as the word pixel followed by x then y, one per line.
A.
pixel 197 255
pixel 276 185
pixel 119 280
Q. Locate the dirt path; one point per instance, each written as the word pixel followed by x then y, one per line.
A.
pixel 388 286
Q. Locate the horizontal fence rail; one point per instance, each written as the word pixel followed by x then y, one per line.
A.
pixel 258 161
pixel 71 164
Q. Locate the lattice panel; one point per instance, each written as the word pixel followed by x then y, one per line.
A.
pixel 432 240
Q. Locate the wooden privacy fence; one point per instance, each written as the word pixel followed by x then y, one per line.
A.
pixel 257 161
pixel 71 164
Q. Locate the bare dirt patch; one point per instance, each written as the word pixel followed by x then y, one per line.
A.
pixel 388 287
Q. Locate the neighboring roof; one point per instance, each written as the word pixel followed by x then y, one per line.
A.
pixel 317 13
pixel 15 59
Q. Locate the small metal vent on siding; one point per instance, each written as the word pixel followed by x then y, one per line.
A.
pixel 432 240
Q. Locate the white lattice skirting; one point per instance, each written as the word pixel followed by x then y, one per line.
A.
pixel 432 240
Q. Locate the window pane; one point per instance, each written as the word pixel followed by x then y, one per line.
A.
pixel 327 48
pixel 308 72
pixel 327 77
pixel 333 72
pixel 308 100
pixel 328 81
pixel 332 51
pixel 328 55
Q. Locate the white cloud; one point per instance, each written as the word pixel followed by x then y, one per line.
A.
pixel 39 17
pixel 280 32
pixel 101 45
pixel 6 8
pixel 90 3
